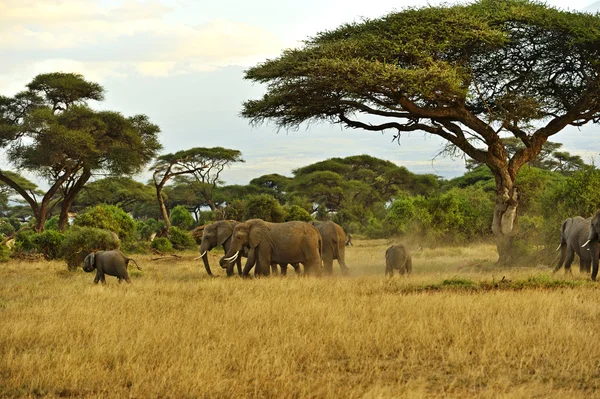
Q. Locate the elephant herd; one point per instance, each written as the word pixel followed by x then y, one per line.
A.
pixel 580 236
pixel 316 245
pixel 266 245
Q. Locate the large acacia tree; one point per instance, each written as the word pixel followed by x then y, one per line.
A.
pixel 49 130
pixel 470 74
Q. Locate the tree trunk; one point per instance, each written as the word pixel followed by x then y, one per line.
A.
pixel 163 208
pixel 70 196
pixel 40 217
pixel 505 222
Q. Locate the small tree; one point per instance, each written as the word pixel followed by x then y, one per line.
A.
pixel 181 218
pixel 204 165
pixel 264 207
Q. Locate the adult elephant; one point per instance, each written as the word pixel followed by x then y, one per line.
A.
pixel 592 242
pixel 575 236
pixel 290 242
pixel 215 234
pixel 220 233
pixel 334 245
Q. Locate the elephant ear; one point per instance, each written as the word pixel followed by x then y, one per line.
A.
pixel 92 259
pixel 224 232
pixel 257 232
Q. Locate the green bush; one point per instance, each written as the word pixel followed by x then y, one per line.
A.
pixel 4 253
pixel 296 212
pixel 145 229
pixel 80 241
pixel 180 239
pixel 108 217
pixel 162 244
pixel 49 243
pixel 264 207
pixel 24 244
pixel 236 210
pixel 51 224
pixel 6 229
pixel 181 218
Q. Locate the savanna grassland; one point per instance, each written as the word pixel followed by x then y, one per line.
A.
pixel 458 327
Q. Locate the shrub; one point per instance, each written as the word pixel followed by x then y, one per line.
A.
pixel 162 244
pixel 108 217
pixel 24 244
pixel 6 229
pixel 49 243
pixel 145 229
pixel 80 241
pixel 181 218
pixel 180 239
pixel 264 207
pixel 296 212
pixel 4 253
pixel 51 224
pixel 236 210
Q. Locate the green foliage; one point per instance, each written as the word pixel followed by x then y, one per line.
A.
pixel 453 217
pixel 6 229
pixel 51 224
pixel 49 130
pixel 162 244
pixel 236 210
pixel 49 243
pixel 24 244
pixel 264 207
pixel 295 212
pixel 81 241
pixel 121 191
pixel 108 217
pixel 180 239
pixel 4 253
pixel 145 229
pixel 181 218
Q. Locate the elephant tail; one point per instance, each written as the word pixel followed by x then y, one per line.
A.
pixel 133 260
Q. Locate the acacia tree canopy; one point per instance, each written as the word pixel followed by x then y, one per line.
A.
pixel 470 74
pixel 49 130
pixel 202 164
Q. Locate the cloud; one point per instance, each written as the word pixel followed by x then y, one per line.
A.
pixel 120 37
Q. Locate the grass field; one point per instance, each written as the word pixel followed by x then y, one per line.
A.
pixel 458 327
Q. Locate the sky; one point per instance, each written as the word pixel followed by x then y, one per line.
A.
pixel 181 62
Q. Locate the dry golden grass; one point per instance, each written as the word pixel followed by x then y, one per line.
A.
pixel 175 333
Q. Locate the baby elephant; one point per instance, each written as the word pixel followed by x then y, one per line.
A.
pixel 113 263
pixel 397 257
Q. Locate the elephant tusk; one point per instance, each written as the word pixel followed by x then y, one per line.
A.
pixel 202 254
pixel 233 257
pixel 586 243
pixel 558 247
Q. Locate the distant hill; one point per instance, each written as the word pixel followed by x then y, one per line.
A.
pixel 595 6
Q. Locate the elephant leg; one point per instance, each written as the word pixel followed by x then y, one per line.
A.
pixel 265 267
pixel 342 262
pixel 296 267
pixel 229 269
pixel 389 269
pixel 328 263
pixel 238 262
pixel 569 260
pixel 283 267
